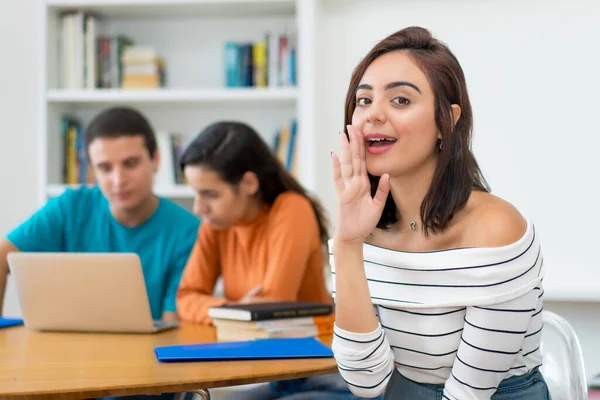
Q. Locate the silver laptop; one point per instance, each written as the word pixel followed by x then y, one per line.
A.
pixel 83 292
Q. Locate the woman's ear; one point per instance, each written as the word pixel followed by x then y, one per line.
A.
pixel 455 114
pixel 249 184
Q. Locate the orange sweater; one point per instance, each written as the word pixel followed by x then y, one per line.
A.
pixel 280 249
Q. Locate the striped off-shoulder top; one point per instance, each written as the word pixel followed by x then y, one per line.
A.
pixel 467 318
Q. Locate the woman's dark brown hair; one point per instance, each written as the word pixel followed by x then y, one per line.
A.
pixel 457 172
pixel 233 148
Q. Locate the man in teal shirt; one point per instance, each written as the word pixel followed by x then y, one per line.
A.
pixel 120 214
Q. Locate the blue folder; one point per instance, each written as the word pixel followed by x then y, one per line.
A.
pixel 6 322
pixel 261 349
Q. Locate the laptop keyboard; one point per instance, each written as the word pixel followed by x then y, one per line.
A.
pixel 160 324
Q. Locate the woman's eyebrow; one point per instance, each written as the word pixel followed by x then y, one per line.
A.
pixel 390 85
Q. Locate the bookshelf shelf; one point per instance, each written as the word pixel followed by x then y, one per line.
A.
pixel 115 96
pixel 179 8
pixel 169 191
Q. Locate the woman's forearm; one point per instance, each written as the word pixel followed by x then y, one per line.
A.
pixel 354 308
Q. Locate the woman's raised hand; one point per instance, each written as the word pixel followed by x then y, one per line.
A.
pixel 357 212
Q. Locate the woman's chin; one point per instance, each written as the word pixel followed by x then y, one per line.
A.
pixel 377 170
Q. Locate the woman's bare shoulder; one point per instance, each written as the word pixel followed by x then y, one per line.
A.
pixel 491 221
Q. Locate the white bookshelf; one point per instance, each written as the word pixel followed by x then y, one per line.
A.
pixel 189 35
pixel 165 8
pixel 166 96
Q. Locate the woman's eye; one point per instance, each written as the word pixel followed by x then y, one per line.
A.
pixel 363 101
pixel 402 101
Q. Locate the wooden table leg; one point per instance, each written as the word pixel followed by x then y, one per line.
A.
pixel 204 394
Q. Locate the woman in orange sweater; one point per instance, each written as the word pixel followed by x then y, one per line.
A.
pixel 261 232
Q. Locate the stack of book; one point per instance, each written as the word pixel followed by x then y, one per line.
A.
pixel 236 322
pixel 142 68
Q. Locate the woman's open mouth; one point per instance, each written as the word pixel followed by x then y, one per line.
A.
pixel 378 145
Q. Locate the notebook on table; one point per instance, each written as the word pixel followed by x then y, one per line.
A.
pixel 6 322
pixel 263 349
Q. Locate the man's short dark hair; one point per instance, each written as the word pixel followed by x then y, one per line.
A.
pixel 116 122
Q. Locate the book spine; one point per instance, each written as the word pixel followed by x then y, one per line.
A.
pixel 305 312
pixel 282 323
pixel 232 64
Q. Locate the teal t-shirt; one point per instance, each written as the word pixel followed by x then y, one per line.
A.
pixel 80 221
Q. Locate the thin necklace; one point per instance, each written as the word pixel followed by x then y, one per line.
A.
pixel 412 225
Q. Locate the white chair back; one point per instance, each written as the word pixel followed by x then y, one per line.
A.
pixel 563 366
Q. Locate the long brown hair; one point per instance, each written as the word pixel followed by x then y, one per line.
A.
pixel 457 172
pixel 233 148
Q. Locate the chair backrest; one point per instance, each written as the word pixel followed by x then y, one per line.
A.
pixel 563 366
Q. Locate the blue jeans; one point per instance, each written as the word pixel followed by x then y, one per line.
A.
pixel 530 386
pixel 324 387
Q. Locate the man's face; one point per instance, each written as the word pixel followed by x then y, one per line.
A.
pixel 124 170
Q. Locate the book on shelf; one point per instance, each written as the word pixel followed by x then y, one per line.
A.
pixel 75 166
pixel 110 69
pixel 142 68
pixel 269 310
pixel 284 145
pixel 89 59
pixel 170 148
pixel 270 62
pixel 77 68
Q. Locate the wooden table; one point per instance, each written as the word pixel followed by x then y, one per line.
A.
pixel 38 365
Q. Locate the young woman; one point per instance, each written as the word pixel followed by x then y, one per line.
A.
pixel 261 232
pixel 438 283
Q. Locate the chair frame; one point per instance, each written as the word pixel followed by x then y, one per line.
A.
pixel 573 345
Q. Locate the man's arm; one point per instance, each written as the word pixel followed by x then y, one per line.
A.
pixel 43 231
pixel 5 248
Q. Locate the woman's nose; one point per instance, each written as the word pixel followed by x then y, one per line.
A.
pixel 375 113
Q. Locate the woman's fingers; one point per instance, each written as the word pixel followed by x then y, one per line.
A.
pixel 346 159
pixel 354 149
pixel 362 147
pixel 337 173
pixel 382 191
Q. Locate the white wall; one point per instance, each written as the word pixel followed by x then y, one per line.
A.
pixel 18 111
pixel 532 70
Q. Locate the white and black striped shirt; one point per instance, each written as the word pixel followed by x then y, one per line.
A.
pixel 467 318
